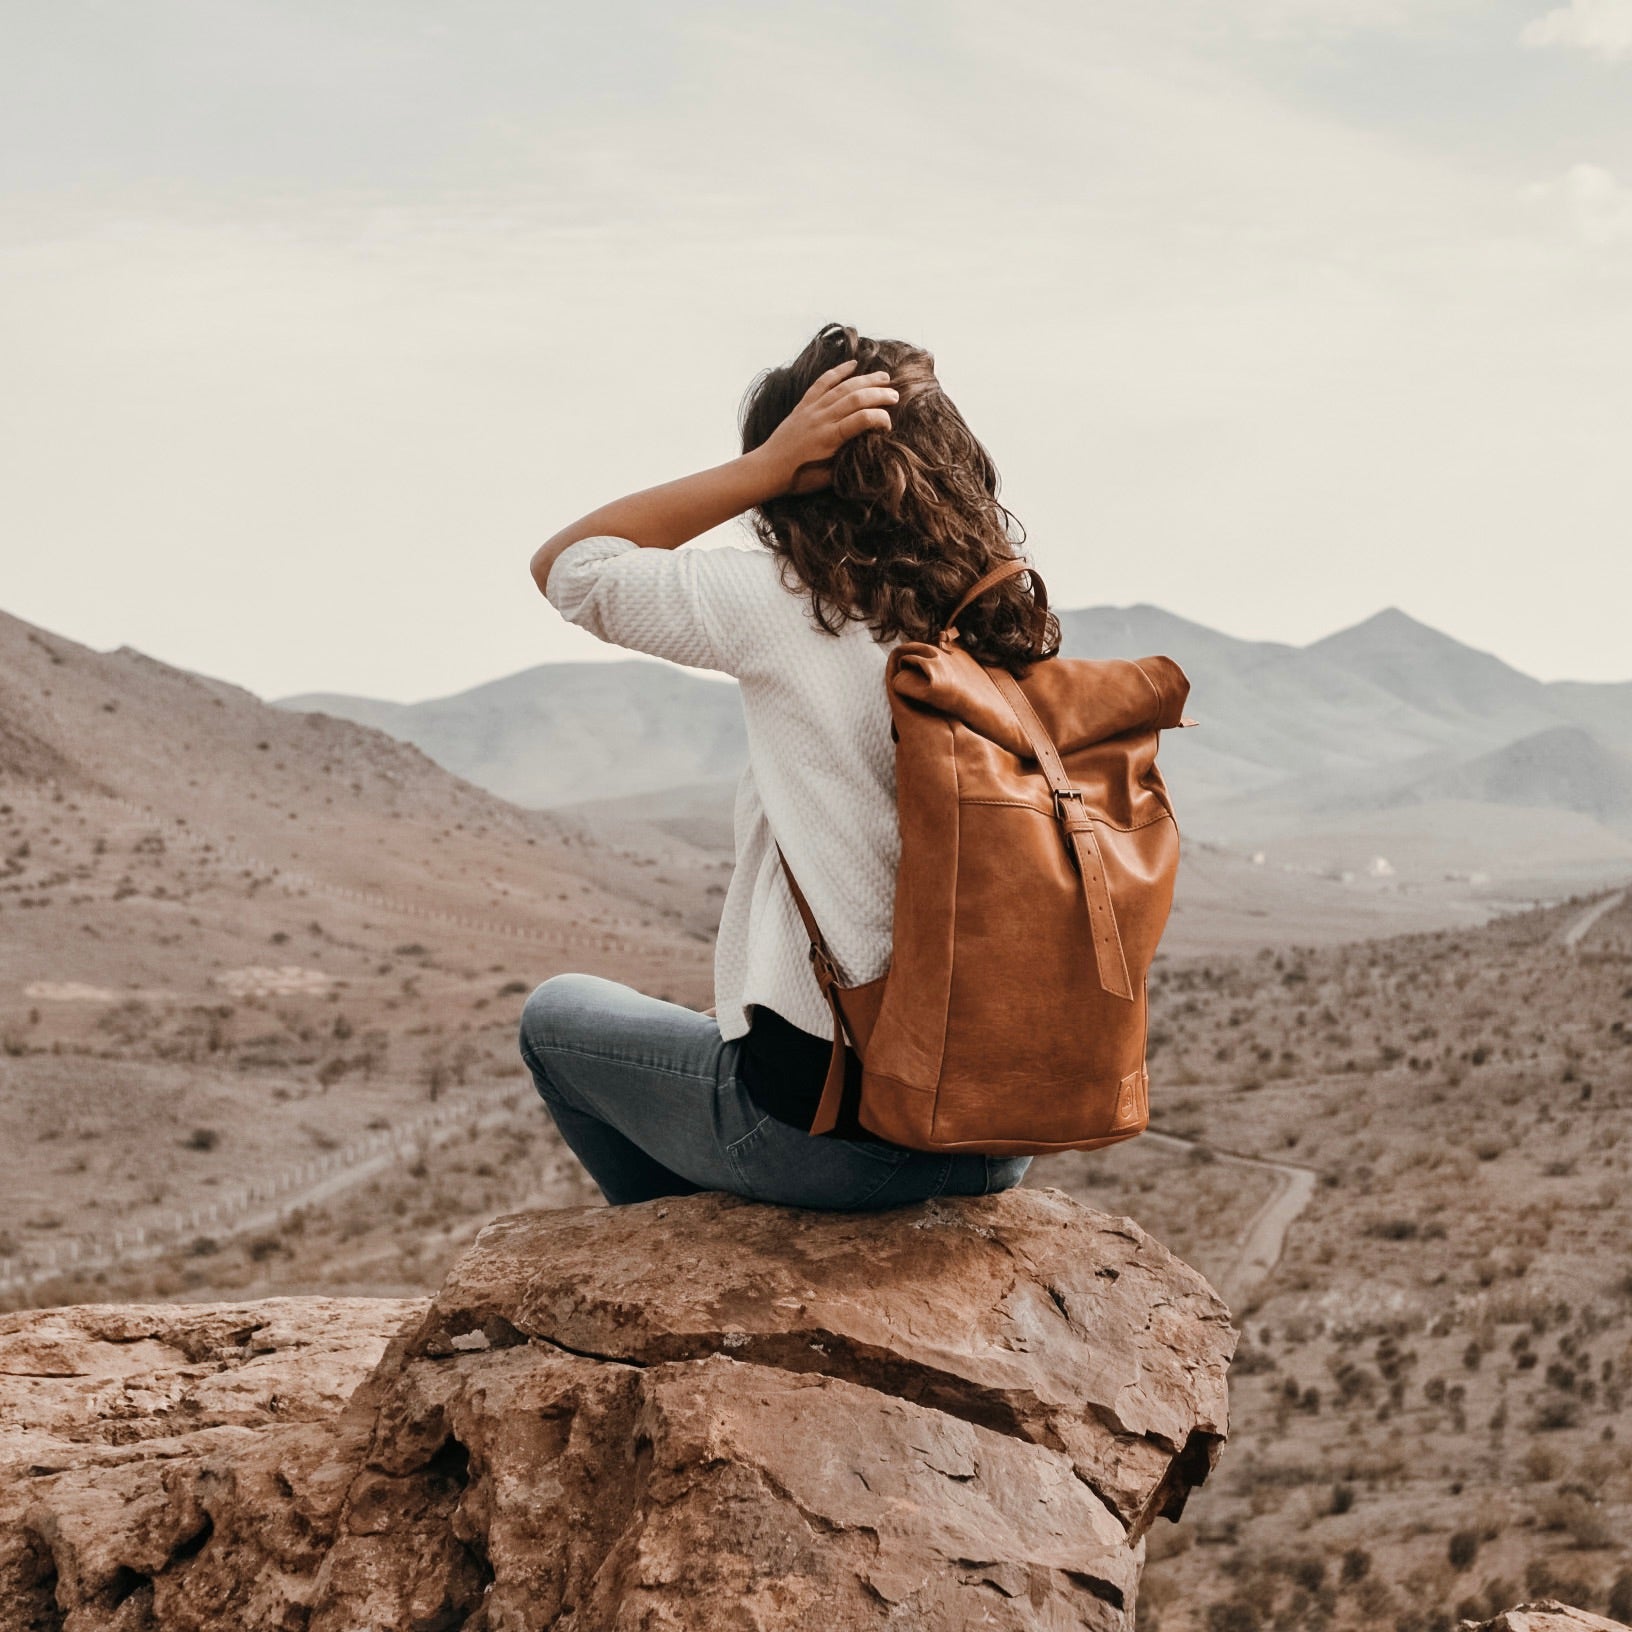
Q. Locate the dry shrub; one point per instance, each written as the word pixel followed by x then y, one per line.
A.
pixel 1572 1512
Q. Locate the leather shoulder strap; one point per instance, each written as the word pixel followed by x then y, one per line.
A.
pixel 803 905
pixel 827 978
pixel 1004 569
pixel 1109 956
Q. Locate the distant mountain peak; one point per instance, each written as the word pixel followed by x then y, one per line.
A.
pixel 1395 615
pixel 1563 766
pixel 1393 625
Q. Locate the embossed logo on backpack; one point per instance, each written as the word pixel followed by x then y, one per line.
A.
pixel 1131 1101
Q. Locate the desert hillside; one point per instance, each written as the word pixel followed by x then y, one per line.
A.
pixel 243 951
pixel 1430 1399
pixel 311 795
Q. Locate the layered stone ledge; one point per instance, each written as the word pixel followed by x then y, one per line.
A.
pixel 696 1413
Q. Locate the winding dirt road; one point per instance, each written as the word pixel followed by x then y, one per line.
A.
pixel 1262 1240
pixel 1577 928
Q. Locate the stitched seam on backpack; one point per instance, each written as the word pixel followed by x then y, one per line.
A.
pixel 1026 804
pixel 905 1087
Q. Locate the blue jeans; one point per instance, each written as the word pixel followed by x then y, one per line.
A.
pixel 648 1096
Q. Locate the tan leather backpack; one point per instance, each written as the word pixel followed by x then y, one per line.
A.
pixel 1038 856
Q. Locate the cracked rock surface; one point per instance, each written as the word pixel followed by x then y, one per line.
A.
pixel 695 1413
pixel 157 1457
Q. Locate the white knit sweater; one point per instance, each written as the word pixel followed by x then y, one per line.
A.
pixel 821 763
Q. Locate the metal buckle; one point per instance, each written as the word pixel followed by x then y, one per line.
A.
pixel 1067 827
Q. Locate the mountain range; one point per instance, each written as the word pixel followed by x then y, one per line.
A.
pixel 1297 743
pixel 1293 830
pixel 562 732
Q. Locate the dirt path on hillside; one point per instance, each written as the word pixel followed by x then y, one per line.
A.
pixel 1578 927
pixel 1262 1240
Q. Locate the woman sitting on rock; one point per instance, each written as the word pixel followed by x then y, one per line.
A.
pixel 875 508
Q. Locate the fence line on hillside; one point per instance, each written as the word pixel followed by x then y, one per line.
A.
pixel 232 1212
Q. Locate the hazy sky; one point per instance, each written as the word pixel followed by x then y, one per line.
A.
pixel 317 316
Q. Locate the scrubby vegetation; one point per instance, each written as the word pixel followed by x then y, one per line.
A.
pixel 1429 1403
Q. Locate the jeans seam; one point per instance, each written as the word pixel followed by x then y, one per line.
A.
pixel 878 1188
pixel 535 1068
pixel 896 1158
pixel 624 1059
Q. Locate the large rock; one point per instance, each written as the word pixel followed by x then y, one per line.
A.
pixel 1545 1615
pixel 696 1413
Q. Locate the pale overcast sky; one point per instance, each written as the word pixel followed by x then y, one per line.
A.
pixel 316 317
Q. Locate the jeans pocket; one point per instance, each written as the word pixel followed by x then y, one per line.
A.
pixel 891 1178
pixel 748 1139
pixel 738 1157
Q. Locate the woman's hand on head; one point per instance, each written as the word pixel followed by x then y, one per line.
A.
pixel 794 458
pixel 840 404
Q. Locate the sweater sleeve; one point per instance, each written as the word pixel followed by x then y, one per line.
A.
pixel 698 607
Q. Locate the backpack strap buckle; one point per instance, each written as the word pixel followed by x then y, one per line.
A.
pixel 1080 817
pixel 825 970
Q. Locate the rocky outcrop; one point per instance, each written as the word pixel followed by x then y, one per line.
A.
pixel 145 1448
pixel 696 1413
pixel 1546 1615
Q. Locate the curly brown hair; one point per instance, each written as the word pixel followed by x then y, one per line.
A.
pixel 910 518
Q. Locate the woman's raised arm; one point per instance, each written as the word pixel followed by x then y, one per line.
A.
pixel 793 458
